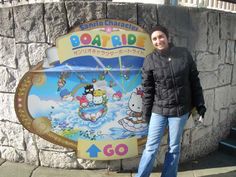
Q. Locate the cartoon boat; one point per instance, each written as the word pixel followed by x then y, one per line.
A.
pixel 133 124
pixel 93 113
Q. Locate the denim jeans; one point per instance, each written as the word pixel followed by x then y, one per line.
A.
pixel 157 126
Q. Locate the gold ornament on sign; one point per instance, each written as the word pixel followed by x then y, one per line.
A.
pixel 41 125
pixel 38 79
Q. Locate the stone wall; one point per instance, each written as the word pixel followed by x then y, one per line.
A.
pixel 26 31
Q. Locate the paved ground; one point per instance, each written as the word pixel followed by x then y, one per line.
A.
pixel 216 164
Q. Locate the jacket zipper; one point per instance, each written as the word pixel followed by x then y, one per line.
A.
pixel 172 74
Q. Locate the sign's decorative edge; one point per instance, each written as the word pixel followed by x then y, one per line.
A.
pixel 20 103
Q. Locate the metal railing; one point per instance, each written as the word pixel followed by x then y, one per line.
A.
pixel 211 4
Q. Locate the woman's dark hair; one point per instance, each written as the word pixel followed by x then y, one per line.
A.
pixel 159 28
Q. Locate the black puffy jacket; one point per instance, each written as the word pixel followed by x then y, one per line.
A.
pixel 171 84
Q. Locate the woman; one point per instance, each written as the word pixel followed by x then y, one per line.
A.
pixel 171 89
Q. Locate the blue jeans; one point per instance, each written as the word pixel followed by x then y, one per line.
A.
pixel 156 130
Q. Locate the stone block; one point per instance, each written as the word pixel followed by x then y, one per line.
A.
pixel 234 72
pixel 222 51
pixel 55 21
pixel 232 114
pixel 186 154
pixel 222 97
pixel 186 138
pixel 198 29
pixel 207 62
pixel 200 132
pixel 29 25
pixel 233 95
pixel 80 12
pixel 37 52
pixel 12 135
pixel 216 119
pixel 161 155
pixel 6 22
pixel 48 146
pixel 164 138
pixel 230 52
pixel 166 15
pixel 208 79
pixel 113 165
pixel 32 152
pixel 209 102
pixel 190 123
pixel 179 40
pixel 7 83
pixel 58 159
pixel 7 52
pixel 222 131
pixel 130 164
pixel 141 149
pixel 213 32
pixel 12 154
pixel 203 144
pixel 224 74
pixel 147 16
pixel 228 26
pixel 7 108
pixel 223 115
pixel 122 11
pixel 22 59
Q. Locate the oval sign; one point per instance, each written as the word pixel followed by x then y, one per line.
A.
pixel 86 94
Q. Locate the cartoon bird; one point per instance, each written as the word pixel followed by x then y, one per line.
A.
pixel 88 89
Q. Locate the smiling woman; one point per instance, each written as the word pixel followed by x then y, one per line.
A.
pixel 167 100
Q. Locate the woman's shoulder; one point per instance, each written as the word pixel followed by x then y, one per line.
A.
pixel 179 52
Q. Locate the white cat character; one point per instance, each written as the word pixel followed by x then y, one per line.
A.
pixel 97 100
pixel 135 105
pixel 134 122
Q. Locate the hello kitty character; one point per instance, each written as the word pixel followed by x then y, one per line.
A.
pixel 134 121
pixel 135 105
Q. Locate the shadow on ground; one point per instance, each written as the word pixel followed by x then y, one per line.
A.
pixel 213 160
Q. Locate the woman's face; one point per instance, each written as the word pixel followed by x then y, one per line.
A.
pixel 159 40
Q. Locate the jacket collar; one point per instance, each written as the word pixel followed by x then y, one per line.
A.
pixel 167 53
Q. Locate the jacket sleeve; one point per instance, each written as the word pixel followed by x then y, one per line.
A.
pixel 196 88
pixel 148 85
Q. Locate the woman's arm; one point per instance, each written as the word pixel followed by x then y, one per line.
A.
pixel 148 85
pixel 196 88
